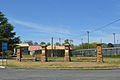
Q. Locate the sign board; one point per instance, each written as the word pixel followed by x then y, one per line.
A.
pixel 4 46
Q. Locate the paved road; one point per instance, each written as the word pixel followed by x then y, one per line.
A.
pixel 57 74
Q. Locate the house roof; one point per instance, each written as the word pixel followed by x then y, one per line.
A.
pixel 33 48
pixel 23 44
pixel 56 47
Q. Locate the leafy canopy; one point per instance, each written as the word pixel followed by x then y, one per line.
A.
pixel 6 33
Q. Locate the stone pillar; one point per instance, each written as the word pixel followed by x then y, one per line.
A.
pixel 19 55
pixel 44 53
pixel 99 53
pixel 67 53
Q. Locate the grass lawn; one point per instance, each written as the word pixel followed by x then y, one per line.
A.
pixel 57 62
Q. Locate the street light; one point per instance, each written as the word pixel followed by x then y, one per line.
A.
pixel 88 38
pixel 114 38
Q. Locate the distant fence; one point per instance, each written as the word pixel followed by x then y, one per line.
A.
pixel 92 52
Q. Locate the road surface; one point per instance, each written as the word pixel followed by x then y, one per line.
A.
pixel 58 74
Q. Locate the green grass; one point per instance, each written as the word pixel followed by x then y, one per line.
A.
pixel 112 60
pixel 12 66
pixel 111 56
pixel 64 67
pixel 55 59
pixel 58 62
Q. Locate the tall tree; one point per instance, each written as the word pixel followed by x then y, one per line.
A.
pixel 30 42
pixel 6 33
pixel 66 41
pixel 57 44
pixel 110 45
pixel 36 44
pixel 48 44
pixel 42 43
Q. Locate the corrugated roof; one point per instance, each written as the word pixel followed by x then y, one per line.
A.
pixel 23 44
pixel 33 48
pixel 56 47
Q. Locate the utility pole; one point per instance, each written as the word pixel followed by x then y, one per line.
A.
pixel 117 43
pixel 114 42
pixel 88 42
pixel 88 38
pixel 82 42
pixel 114 38
pixel 82 46
pixel 101 41
pixel 52 53
pixel 60 41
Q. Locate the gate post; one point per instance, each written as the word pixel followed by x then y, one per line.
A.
pixel 44 53
pixel 67 53
pixel 99 53
pixel 19 54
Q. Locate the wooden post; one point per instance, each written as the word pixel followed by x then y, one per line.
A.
pixel 67 53
pixel 99 53
pixel 44 53
pixel 19 54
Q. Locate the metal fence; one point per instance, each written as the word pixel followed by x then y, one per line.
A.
pixel 92 52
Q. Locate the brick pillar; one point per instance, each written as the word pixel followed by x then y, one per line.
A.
pixel 19 55
pixel 99 53
pixel 44 53
pixel 67 53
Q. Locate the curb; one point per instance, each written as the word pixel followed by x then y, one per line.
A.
pixel 61 68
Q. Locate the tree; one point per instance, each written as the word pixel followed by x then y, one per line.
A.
pixel 66 41
pixel 6 33
pixel 110 45
pixel 86 45
pixel 57 44
pixel 36 44
pixel 42 43
pixel 94 44
pixel 70 41
pixel 29 42
pixel 48 44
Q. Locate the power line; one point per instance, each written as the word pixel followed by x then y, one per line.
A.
pixel 77 35
pixel 106 25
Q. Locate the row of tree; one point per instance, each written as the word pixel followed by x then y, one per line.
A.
pixel 80 46
pixel 67 41
pixel 92 45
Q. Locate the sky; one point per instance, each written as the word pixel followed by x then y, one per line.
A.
pixel 39 20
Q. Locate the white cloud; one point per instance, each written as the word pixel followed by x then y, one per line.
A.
pixel 58 32
pixel 41 28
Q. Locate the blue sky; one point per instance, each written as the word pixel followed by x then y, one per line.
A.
pixel 39 20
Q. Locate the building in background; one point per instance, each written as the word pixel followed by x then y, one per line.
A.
pixel 24 48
